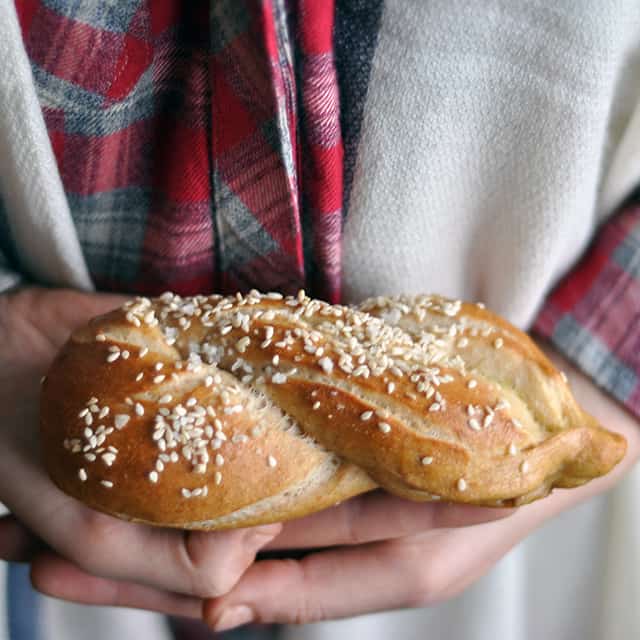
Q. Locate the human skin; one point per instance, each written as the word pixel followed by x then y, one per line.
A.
pixel 375 540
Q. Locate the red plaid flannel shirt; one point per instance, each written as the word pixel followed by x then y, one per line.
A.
pixel 175 129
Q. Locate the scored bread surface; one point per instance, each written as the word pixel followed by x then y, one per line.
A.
pixel 215 412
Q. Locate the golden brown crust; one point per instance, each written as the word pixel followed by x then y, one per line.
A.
pixel 248 410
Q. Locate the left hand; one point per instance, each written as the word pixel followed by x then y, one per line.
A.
pixel 390 553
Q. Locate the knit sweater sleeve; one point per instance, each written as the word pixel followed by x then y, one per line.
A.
pixel 10 276
pixel 593 314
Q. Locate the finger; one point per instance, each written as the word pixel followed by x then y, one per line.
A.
pixel 326 585
pixel 196 563
pixel 378 516
pixel 17 543
pixel 54 576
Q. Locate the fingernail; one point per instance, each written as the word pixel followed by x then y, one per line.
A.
pixel 268 529
pixel 262 535
pixel 233 617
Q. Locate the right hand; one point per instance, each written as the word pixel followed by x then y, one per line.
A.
pixel 76 553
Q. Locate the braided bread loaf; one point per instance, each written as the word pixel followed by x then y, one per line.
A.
pixel 219 412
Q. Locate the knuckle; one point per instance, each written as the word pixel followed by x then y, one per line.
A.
pixel 425 581
pixel 306 609
pixel 352 516
pixel 91 545
pixel 427 588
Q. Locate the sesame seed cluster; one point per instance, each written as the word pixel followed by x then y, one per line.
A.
pixel 264 340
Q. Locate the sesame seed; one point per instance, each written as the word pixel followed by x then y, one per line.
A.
pixel 225 330
pixel 82 474
pixel 108 458
pixel 139 409
pixel 153 476
pixel 513 450
pixel 427 460
pixel 488 419
pixel 316 405
pixel 88 418
pixel 474 424
pixel 524 467
pixel 472 384
pixel 125 354
pixel 167 397
pixel 385 427
pixel 106 483
pixel 103 412
pixel 186 493
pixel 112 357
pixel 278 378
pixel 326 364
pixel 208 381
pixel 159 379
pixel 236 408
pixel 121 420
pixel 218 477
pixel 83 413
pixel 271 461
pixel 463 342
pixel 90 457
pixel 391 387
pixel 498 343
pixel 219 460
pixel 143 352
pixel 100 337
pixel 462 484
pixel 243 343
pixel 435 406
pixel 366 415
pixel 563 375
pixel 275 360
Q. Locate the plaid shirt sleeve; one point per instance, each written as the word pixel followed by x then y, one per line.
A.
pixel 593 315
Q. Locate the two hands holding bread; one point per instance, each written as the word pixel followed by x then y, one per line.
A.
pixel 284 425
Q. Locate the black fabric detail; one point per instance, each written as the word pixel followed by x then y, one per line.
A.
pixel 355 36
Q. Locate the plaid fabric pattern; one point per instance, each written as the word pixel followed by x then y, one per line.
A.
pixel 593 316
pixel 175 129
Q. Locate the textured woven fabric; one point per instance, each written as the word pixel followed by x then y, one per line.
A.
pixel 593 316
pixel 175 129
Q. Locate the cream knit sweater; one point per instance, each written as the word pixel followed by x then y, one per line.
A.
pixel 497 134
